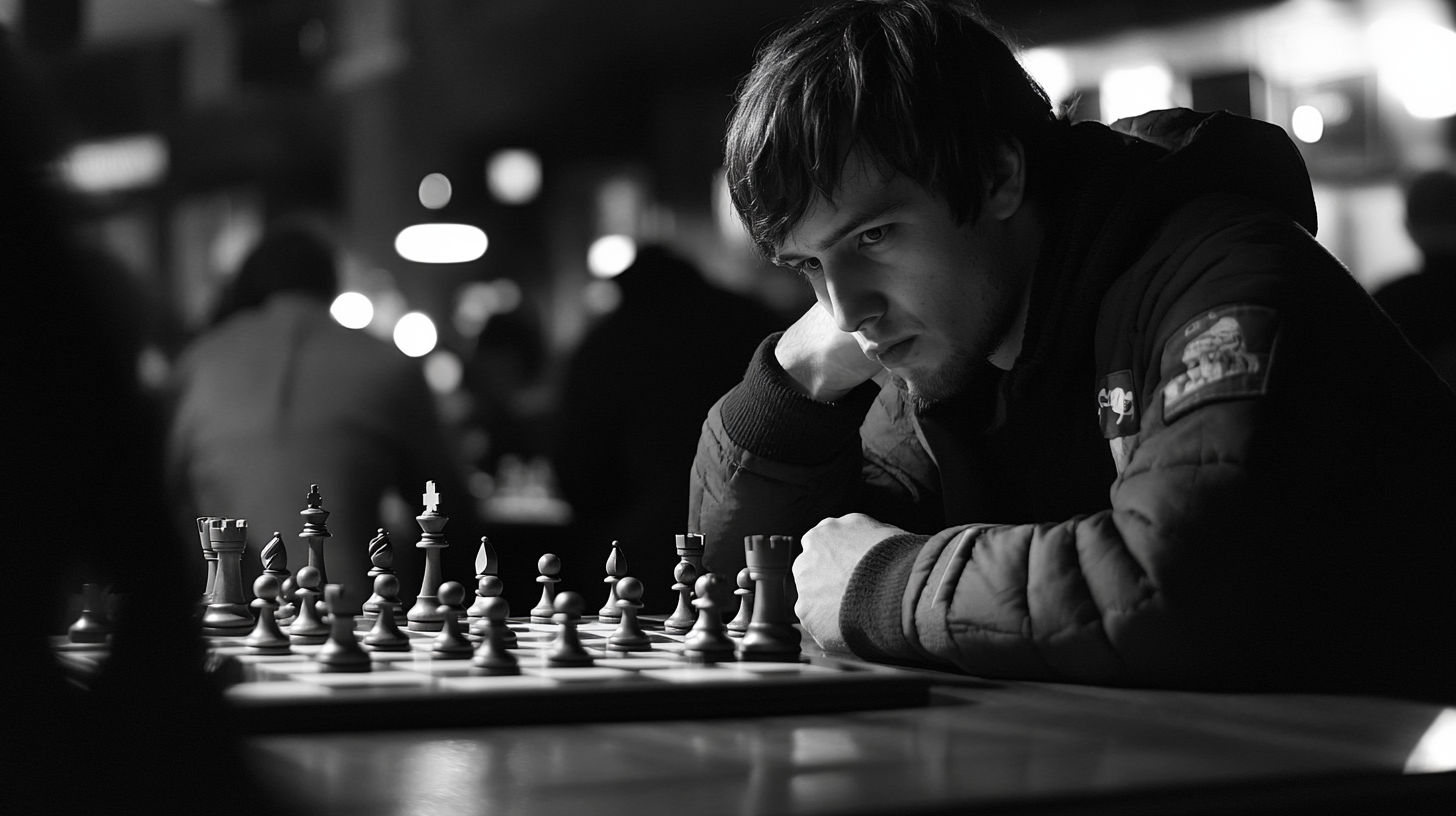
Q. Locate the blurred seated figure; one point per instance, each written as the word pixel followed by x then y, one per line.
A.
pixel 1423 304
pixel 276 396
pixel 147 731
pixel 636 391
pixel 509 404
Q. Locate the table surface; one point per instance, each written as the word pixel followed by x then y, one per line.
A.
pixel 1006 746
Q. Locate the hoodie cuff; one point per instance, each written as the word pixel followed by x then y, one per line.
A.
pixel 768 417
pixel 869 616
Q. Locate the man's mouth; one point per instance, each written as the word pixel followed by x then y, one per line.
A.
pixel 894 354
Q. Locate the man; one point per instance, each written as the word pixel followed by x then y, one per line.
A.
pixel 1075 404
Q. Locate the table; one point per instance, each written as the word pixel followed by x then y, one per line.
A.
pixel 1012 747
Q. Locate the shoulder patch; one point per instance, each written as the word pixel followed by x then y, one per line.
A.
pixel 1224 353
pixel 1117 409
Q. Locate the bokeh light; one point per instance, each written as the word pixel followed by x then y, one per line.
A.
pixel 1416 60
pixel 1128 92
pixel 435 191
pixel 610 255
pixel 513 175
pixel 352 310
pixel 1049 67
pixel 1307 123
pixel 443 371
pixel 478 301
pixel 440 243
pixel 415 334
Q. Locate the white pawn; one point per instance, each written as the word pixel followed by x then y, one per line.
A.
pixel 266 637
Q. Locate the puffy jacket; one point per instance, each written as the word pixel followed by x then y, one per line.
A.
pixel 1215 464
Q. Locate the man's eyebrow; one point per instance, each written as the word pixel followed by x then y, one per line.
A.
pixel 857 220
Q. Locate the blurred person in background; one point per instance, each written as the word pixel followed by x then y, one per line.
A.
pixel 628 424
pixel 1423 304
pixel 509 406
pixel 85 502
pixel 276 396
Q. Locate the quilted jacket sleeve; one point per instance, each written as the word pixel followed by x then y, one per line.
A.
pixel 771 461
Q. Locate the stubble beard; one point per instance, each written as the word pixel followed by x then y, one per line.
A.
pixel 954 375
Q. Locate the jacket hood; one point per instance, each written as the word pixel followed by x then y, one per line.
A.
pixel 1221 152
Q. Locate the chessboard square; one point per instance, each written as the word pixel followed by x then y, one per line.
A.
pixel 582 674
pixel 697 674
pixel 437 668
pixel 779 668
pixel 379 679
pixel 276 690
pixel 380 656
pixel 648 661
pixel 285 671
pixel 486 683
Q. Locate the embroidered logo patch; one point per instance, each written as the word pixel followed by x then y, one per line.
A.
pixel 1222 354
pixel 1116 407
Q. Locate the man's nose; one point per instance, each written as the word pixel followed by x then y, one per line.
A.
pixel 854 296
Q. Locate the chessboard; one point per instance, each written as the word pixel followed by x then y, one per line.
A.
pixel 289 693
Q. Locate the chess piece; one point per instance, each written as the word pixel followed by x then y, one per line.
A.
pixel 739 625
pixel 616 568
pixel 308 629
pixel 288 601
pixel 425 615
pixel 228 614
pixel 629 636
pixel 381 555
pixel 341 653
pixel 690 549
pixel 566 650
pixel 275 563
pixel 490 587
pixel 93 626
pixel 770 636
pixel 708 642
pixel 682 619
pixel 386 636
pixel 485 565
pixel 450 644
pixel 314 531
pixel 493 656
pixel 545 610
pixel 203 523
pixel 266 637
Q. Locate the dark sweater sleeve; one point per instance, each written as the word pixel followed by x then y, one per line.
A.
pixel 870 614
pixel 767 416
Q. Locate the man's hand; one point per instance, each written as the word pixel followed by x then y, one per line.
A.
pixel 823 361
pixel 822 570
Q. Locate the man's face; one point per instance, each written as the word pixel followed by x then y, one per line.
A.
pixel 925 297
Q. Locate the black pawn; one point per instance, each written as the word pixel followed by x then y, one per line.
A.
pixel 342 652
pixel 450 644
pixel 490 587
pixel 308 628
pixel 739 624
pixel 493 656
pixel 548 566
pixel 708 642
pixel 629 636
pixel 266 637
pixel 566 650
pixel 682 619
pixel 385 635
pixel 288 601
pixel 92 626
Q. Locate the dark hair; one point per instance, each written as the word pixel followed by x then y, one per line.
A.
pixel 289 258
pixel 925 88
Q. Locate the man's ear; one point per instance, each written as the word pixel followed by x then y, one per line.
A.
pixel 1007 186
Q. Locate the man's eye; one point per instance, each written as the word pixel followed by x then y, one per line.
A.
pixel 808 265
pixel 873 235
